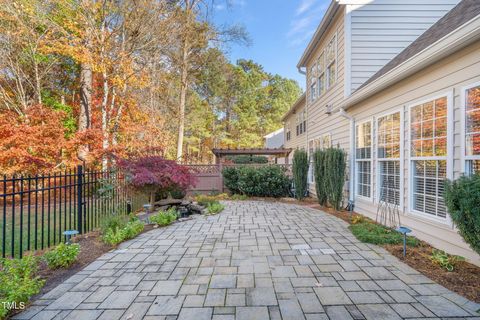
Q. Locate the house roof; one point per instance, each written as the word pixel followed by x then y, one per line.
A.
pixel 295 106
pixel 273 133
pixel 459 28
pixel 459 15
pixel 319 33
pixel 256 151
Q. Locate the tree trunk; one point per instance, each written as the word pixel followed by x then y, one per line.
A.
pixel 38 86
pixel 105 139
pixel 183 98
pixel 84 120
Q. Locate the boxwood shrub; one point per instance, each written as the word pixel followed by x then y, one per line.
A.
pixel 267 181
pixel 462 198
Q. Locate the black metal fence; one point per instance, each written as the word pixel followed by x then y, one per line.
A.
pixel 36 210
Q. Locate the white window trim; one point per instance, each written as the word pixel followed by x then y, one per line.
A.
pixel 401 159
pixel 358 196
pixel 463 126
pixel 328 85
pixel 449 158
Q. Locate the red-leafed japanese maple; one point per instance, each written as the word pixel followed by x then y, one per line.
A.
pixel 154 174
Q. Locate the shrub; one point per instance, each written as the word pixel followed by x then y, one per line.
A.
pixel 319 163
pixel 462 198
pixel 230 178
pixel 18 282
pixel 205 200
pixel 335 160
pixel 62 256
pixel 377 234
pixel 356 219
pixel 128 231
pixel 266 181
pixel 164 218
pixel 215 207
pixel 154 174
pixel 445 260
pixel 300 173
pixel 113 222
pixel 239 197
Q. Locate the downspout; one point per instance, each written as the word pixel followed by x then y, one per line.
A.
pixel 351 193
pixel 304 72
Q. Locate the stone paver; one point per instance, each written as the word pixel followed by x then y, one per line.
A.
pixel 255 260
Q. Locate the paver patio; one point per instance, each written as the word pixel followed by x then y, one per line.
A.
pixel 255 260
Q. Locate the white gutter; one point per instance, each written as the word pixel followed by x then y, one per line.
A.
pixel 351 187
pixel 452 42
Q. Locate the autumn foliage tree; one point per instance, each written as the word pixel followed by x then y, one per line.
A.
pixel 154 174
pixel 87 81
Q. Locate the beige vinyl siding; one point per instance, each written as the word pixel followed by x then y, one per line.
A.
pixel 319 123
pixel 295 142
pixel 446 76
pixel 381 29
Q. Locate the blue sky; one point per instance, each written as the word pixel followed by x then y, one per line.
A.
pixel 280 30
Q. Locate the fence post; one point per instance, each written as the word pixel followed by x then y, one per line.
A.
pixel 80 198
pixel 220 169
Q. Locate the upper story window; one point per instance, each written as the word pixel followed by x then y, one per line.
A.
pixel 363 155
pixel 287 131
pixel 472 129
pixel 331 62
pixel 321 74
pixel 313 83
pixel 388 154
pixel 301 122
pixel 428 147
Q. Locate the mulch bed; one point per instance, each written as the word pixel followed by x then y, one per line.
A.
pixel 464 280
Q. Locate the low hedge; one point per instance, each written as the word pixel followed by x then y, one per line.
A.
pixel 267 181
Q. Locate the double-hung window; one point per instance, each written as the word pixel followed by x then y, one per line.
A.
pixel 321 74
pixel 472 130
pixel 330 62
pixel 363 158
pixel 313 83
pixel 388 156
pixel 428 149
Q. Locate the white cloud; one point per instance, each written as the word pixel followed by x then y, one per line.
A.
pixel 305 21
pixel 304 6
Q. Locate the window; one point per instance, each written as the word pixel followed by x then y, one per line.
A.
pixel 321 74
pixel 388 154
pixel 313 83
pixel 363 154
pixel 472 130
pixel 301 122
pixel 428 147
pixel 326 141
pixel 288 135
pixel 304 121
pixel 330 62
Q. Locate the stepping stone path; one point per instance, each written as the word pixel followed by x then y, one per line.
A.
pixel 255 260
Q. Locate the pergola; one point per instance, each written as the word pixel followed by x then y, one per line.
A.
pixel 279 152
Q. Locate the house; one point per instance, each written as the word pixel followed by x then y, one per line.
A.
pixel 397 86
pixel 275 139
pixel 296 126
